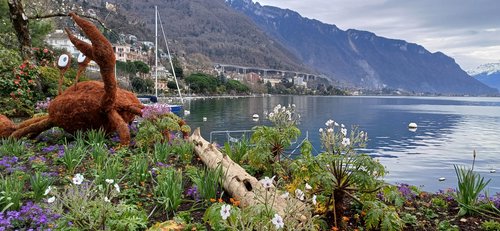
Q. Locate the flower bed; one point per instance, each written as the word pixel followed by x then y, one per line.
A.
pixel 87 181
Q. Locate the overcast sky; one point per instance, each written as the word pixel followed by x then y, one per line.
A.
pixel 466 30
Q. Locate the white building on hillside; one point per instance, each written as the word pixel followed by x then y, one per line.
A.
pixel 60 40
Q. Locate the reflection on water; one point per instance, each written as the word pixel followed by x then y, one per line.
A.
pixel 449 129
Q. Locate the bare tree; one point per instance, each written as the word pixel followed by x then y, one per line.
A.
pixel 20 24
pixel 38 9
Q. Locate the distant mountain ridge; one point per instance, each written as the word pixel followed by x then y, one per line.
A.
pixel 204 31
pixel 360 57
pixel 488 74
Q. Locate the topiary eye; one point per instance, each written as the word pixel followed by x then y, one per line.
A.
pixel 63 60
pixel 81 58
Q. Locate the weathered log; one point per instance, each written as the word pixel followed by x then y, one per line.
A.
pixel 241 185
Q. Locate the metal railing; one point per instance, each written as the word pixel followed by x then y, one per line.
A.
pixel 228 133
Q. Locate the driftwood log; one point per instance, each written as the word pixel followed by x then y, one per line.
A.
pixel 240 184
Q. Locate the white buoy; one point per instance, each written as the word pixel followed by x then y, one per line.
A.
pixel 441 179
pixel 204 118
pixel 412 125
pixel 255 116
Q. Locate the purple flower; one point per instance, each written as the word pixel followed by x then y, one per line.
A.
pixel 48 149
pixel 162 165
pixel 380 196
pixel 8 161
pixel 42 105
pixel 193 192
pixel 406 191
pixel 154 111
pixel 29 217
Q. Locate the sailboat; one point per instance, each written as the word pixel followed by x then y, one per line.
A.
pixel 173 107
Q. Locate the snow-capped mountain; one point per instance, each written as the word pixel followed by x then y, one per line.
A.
pixel 485 69
pixel 488 74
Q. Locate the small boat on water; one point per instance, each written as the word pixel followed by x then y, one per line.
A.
pixel 147 99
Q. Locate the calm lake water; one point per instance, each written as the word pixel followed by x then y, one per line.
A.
pixel 449 129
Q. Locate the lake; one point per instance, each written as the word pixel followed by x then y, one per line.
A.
pixel 449 129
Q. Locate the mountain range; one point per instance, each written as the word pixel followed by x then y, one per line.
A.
pixel 488 74
pixel 245 33
pixel 361 57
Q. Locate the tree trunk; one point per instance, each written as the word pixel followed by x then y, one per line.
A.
pixel 241 185
pixel 20 24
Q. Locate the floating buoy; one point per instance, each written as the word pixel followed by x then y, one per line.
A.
pixel 493 171
pixel 412 125
pixel 204 118
pixel 441 179
pixel 255 116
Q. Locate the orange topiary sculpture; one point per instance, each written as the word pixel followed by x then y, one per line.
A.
pixel 91 104
pixel 7 127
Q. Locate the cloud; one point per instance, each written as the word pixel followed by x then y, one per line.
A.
pixel 466 30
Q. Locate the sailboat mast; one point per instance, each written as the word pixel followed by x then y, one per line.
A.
pixel 170 59
pixel 156 51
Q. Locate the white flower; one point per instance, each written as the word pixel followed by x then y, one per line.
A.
pixel 314 200
pixel 110 181
pixel 293 105
pixel 50 200
pixel 117 187
pixel 106 199
pixel 271 115
pixel 308 187
pixel 277 108
pixel 278 221
pixel 78 179
pixel 47 191
pixel 285 195
pixel 344 131
pixel 342 125
pixel 321 130
pixel 299 194
pixel 267 182
pixel 329 123
pixel 329 130
pixel 346 141
pixel 225 211
pixel 336 124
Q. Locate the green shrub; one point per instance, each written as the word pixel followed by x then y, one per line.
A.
pixel 11 191
pixel 237 151
pixel 447 226
pixel 381 216
pixel 12 147
pixel 439 203
pixel 138 168
pixel 470 185
pixel 490 225
pixel 207 181
pixel 39 183
pixel 168 188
